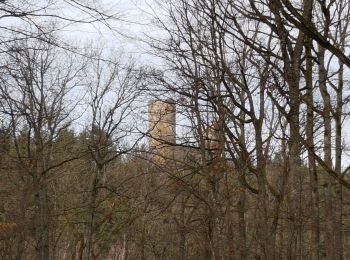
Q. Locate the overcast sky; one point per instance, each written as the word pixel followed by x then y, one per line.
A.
pixel 125 33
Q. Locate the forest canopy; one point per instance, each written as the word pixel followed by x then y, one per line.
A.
pixel 187 129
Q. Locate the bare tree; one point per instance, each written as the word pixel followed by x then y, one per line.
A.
pixel 112 90
pixel 247 64
pixel 33 101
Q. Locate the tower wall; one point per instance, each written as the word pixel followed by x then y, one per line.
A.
pixel 162 129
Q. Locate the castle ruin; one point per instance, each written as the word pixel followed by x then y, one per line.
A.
pixel 162 130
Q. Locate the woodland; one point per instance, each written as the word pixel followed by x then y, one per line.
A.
pixel 260 164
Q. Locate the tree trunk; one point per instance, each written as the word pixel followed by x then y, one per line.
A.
pixel 315 198
pixel 338 203
pixel 327 139
pixel 92 212
pixel 42 221
pixel 242 239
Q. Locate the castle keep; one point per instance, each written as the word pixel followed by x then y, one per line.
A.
pixel 162 129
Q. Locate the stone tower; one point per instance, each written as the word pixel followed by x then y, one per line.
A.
pixel 216 139
pixel 162 127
